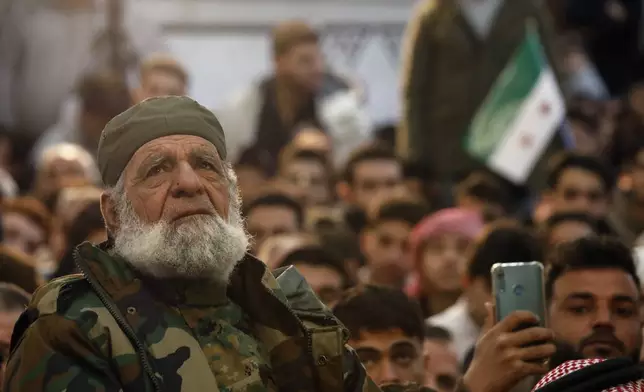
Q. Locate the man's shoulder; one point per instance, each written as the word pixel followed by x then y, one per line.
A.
pixel 59 295
pixel 59 305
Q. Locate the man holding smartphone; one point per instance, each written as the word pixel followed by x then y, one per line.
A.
pixel 593 306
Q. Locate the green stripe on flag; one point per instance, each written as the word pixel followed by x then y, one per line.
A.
pixel 502 105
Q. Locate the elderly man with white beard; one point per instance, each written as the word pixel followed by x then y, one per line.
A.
pixel 172 302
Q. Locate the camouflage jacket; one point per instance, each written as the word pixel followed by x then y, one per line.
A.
pixel 109 329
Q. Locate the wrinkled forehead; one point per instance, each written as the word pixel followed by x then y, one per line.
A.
pixel 175 147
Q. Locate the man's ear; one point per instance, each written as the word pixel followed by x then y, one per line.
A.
pixel 108 210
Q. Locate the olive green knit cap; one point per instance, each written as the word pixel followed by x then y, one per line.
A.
pixel 149 120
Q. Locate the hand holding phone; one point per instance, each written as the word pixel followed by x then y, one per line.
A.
pixel 504 355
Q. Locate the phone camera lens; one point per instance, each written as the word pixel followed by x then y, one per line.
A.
pixel 518 290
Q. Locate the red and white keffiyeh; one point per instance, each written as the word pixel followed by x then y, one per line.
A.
pixel 573 366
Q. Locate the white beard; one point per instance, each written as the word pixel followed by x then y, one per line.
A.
pixel 199 246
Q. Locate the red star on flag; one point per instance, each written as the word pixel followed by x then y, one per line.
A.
pixel 545 108
pixel 526 141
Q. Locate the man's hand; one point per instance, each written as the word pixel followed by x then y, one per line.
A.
pixel 502 358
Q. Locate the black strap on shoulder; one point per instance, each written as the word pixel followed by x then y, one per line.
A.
pixel 25 320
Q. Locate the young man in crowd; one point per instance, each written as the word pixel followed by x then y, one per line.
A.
pixel 387 333
pixel 100 97
pixel 301 91
pixel 385 242
pixel 272 214
pixel 483 193
pixel 372 172
pixel 565 227
pixel 160 75
pixel 308 172
pixel 502 242
pixel 442 369
pixel 323 272
pixel 439 248
pixel 27 225
pixel 579 183
pixel 627 214
pixel 251 178
pixel 594 299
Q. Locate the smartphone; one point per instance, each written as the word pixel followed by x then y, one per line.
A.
pixel 519 286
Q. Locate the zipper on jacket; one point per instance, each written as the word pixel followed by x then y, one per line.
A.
pixel 129 332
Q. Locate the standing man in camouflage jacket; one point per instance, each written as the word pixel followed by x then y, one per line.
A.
pixel 164 305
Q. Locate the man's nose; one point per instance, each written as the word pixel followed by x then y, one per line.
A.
pixel 603 318
pixel 388 372
pixel 186 182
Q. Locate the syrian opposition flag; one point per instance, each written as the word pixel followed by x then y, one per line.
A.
pixel 520 115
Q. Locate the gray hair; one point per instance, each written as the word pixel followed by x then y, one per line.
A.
pixel 72 152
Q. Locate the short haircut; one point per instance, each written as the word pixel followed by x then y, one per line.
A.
pixel 164 63
pixel 17 268
pixel 32 209
pixel 386 134
pixel 287 35
pixel 309 155
pixel 401 210
pixel 317 256
pixel 277 200
pixel 371 152
pixel 572 160
pixel 503 242
pixel 589 253
pixel 291 154
pixel 483 187
pixel 379 309
pixel 249 158
pixel 104 94
pixel 577 112
pixel 434 332
pixel 13 298
pixel 413 169
pixel 341 242
pixel 564 217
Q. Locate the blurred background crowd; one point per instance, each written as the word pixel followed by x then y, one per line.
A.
pixel 392 224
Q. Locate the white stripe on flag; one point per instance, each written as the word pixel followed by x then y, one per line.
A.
pixel 539 118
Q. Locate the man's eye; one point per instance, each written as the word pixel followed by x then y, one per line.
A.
pixel 578 309
pixel 206 165
pixel 625 311
pixel 154 171
pixel 404 360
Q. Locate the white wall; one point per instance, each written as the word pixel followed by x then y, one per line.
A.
pixel 225 44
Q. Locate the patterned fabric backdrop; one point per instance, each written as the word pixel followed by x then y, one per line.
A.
pixel 347 43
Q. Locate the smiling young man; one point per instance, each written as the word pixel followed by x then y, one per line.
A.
pixel 172 302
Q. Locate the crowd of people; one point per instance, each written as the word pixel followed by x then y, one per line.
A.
pixel 394 228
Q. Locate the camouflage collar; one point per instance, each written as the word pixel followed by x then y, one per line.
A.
pixel 115 275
